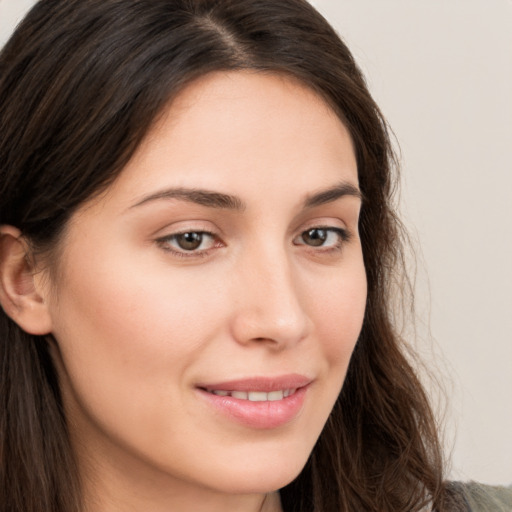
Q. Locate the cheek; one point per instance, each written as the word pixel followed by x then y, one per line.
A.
pixel 137 321
pixel 127 330
pixel 338 314
pixel 128 341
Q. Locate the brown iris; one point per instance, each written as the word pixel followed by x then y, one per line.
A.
pixel 315 237
pixel 189 241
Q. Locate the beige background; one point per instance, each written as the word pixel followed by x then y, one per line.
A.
pixel 442 72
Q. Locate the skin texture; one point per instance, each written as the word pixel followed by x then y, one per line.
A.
pixel 139 322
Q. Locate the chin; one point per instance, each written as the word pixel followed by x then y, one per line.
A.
pixel 259 477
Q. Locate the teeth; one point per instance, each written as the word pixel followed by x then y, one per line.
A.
pixel 256 396
pixel 220 392
pixel 275 395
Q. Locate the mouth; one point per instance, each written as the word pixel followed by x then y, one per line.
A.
pixel 255 396
pixel 261 402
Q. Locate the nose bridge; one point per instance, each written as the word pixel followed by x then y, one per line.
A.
pixel 269 305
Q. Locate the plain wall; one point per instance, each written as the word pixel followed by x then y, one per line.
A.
pixel 441 70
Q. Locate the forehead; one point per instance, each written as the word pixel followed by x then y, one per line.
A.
pixel 242 132
pixel 243 119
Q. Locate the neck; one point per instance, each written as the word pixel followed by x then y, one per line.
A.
pixel 198 502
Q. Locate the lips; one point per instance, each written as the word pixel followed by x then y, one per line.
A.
pixel 266 384
pixel 261 402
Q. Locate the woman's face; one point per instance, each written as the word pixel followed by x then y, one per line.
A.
pixel 206 306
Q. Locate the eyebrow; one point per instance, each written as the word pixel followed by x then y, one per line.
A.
pixel 202 197
pixel 212 199
pixel 332 194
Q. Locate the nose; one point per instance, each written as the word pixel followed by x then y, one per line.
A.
pixel 269 303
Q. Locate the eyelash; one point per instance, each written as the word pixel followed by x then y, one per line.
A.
pixel 164 242
pixel 342 234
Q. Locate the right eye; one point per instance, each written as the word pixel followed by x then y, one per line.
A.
pixel 323 237
pixel 188 243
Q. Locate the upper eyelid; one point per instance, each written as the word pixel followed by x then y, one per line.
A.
pixel 190 226
pixel 206 226
pixel 336 225
pixel 185 231
pixel 343 233
pixel 329 219
pixel 168 233
pixel 175 234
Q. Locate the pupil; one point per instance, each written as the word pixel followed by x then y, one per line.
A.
pixel 189 241
pixel 315 237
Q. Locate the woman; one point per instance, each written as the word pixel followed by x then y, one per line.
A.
pixel 197 249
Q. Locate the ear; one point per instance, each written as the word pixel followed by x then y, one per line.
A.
pixel 19 296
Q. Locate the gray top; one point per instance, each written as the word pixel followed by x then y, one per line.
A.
pixel 488 498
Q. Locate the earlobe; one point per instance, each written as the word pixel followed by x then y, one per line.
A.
pixel 19 296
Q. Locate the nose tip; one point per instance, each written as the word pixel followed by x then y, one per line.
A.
pixel 270 309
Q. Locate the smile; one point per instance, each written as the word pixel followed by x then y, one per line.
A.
pixel 257 402
pixel 255 396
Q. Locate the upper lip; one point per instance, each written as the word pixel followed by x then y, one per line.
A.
pixel 266 384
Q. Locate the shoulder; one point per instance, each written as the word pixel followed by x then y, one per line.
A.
pixel 486 498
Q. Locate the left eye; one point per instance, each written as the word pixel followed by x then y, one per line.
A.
pixel 321 237
pixel 189 241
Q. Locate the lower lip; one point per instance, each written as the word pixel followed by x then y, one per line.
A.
pixel 260 415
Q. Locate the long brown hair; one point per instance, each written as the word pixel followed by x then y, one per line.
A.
pixel 81 82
